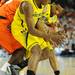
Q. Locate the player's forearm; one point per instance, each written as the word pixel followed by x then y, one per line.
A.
pixel 38 33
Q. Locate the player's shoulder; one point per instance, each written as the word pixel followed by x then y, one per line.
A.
pixel 26 4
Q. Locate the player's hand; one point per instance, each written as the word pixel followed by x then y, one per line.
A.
pixel 56 38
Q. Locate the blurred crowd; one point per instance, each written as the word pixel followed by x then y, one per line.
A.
pixel 68 20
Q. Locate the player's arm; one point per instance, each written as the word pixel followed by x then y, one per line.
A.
pixel 28 12
pixel 2 2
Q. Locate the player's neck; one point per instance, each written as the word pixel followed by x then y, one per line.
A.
pixel 37 3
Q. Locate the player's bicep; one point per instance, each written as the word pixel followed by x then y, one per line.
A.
pixel 28 12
